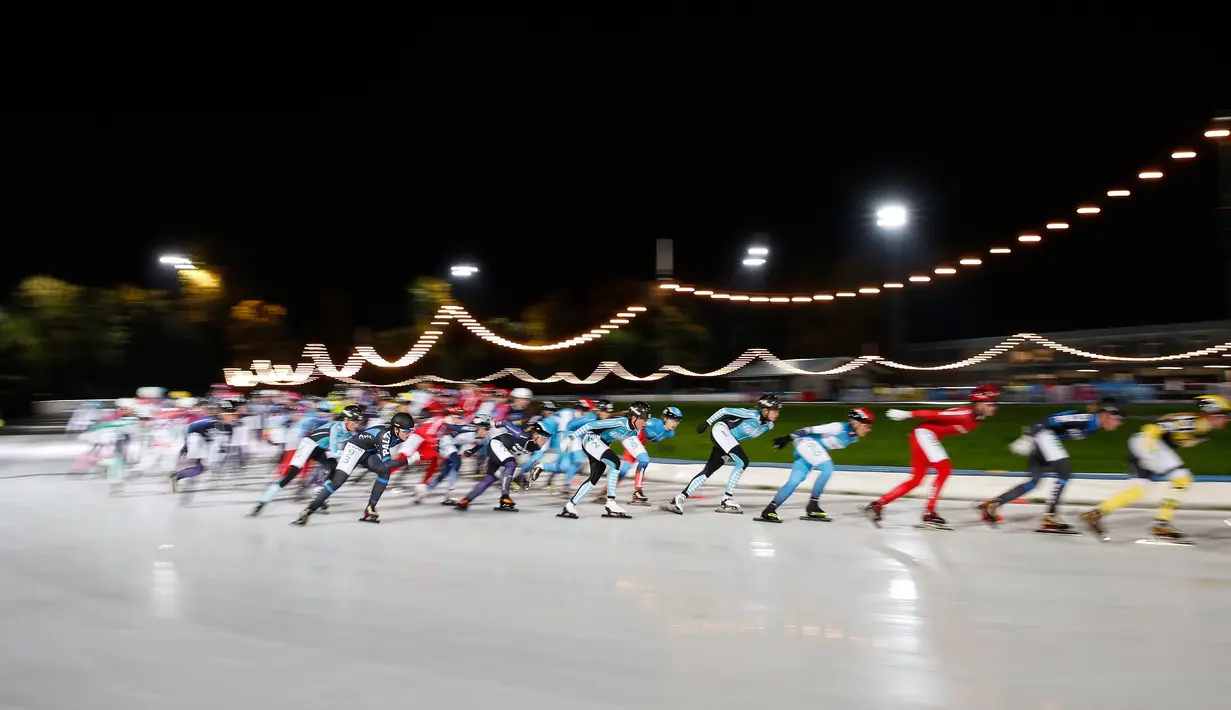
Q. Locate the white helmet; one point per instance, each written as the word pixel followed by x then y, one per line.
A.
pixel 186 402
pixel 521 393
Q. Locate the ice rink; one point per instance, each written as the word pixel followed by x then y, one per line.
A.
pixel 148 600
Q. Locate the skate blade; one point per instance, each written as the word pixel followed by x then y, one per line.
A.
pixel 562 514
pixel 669 509
pixel 767 520
pixel 621 516
pixel 933 526
pixel 507 510
pixel 825 519
pixel 728 512
pixel 1046 531
pixel 369 520
pixel 1160 541
pixel 449 503
pixel 645 503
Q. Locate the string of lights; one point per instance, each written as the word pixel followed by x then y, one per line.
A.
pixel 1029 237
pixel 315 357
pixel 281 375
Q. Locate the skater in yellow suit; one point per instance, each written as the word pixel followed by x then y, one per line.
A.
pixel 1153 452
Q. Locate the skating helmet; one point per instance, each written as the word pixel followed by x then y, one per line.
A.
pixel 673 413
pixel 402 421
pixel 325 406
pixel 585 404
pixel 541 429
pixel 1212 404
pixel 226 406
pixel 985 393
pixel 352 413
pixel 549 407
pixel 521 393
pixel 769 401
pixel 604 405
pixel 481 421
pixel 861 415
pixel 640 410
pixel 1111 406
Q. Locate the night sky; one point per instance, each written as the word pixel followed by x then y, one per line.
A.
pixel 553 153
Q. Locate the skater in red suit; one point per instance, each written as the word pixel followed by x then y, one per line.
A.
pixel 926 451
pixel 423 444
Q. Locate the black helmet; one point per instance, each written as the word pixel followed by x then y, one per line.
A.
pixel 1111 406
pixel 226 406
pixel 769 401
pixel 352 413
pixel 640 410
pixel 402 421
pixel 538 430
pixel 604 405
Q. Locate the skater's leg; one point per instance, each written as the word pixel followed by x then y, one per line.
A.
pixel 1064 471
pixel 331 485
pixel 943 470
pixel 822 479
pixel 1037 468
pixel 484 483
pixel 1180 479
pixel 506 477
pixel 921 460
pixel 715 461
pixel 799 471
pixel 380 467
pixel 740 459
pixel 597 468
pixel 613 472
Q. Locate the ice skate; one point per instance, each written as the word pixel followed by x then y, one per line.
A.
pixel 639 498
pixel 814 513
pixel 932 521
pixel 257 510
pixel 569 511
pixel 507 505
pixel 370 515
pixel 175 483
pixel 872 511
pixel 303 517
pixel 613 510
pixel 1053 524
pixel 461 505
pixel 450 501
pixel 1094 520
pixel 728 505
pixel 988 509
pixel 535 471
pixel 1164 533
pixel 769 515
pixel 674 505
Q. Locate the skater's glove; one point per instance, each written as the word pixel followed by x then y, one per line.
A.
pixel 701 427
pixel 898 415
pixel 781 441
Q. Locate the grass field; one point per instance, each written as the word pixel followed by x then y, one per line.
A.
pixel 985 449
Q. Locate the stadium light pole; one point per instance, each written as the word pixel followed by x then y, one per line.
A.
pixel 892 220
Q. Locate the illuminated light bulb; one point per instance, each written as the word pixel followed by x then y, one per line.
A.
pixel 626 315
pixel 1000 250
pixel 433 332
pixel 802 299
pixel 759 299
pixel 1088 210
pixel 440 322
pixel 1217 133
pixel 920 279
pixel 1030 238
pixel 739 298
pixel 945 270
pixel 621 321
pixel 1118 193
pixel 970 262
pixel 720 295
pixel 1150 174
pixel 1057 225
pixel 1184 154
pixel 869 290
pixel 704 293
pixel 845 294
pixel 822 297
pixel 779 299
pixel 672 286
pixel 685 289
pixel 894 284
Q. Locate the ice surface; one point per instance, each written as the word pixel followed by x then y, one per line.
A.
pixel 147 600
